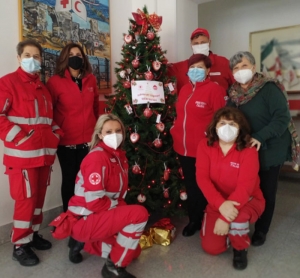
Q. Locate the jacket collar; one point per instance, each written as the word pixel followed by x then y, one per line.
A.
pixel 27 77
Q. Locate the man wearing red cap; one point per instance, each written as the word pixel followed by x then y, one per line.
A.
pixel 219 72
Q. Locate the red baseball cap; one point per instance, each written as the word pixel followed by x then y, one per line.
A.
pixel 200 31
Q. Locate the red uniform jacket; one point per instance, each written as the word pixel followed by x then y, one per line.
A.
pixel 195 108
pixel 219 72
pixel 74 111
pixel 26 110
pixel 232 177
pixel 102 181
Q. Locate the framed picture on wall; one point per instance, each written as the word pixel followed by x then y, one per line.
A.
pixel 55 23
pixel 277 54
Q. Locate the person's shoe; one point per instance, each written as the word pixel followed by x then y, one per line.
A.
pixel 25 256
pixel 110 270
pixel 191 229
pixel 258 238
pixel 240 260
pixel 74 252
pixel 39 243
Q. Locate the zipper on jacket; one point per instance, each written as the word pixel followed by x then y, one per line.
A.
pixel 45 100
pixel 184 121
pixel 37 114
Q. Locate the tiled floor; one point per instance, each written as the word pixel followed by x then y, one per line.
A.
pixel 279 257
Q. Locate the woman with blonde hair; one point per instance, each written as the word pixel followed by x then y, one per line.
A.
pixel 99 204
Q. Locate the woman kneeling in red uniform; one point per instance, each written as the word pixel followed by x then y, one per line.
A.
pixel 107 226
pixel 227 174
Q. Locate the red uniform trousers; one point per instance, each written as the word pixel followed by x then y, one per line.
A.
pixel 115 232
pixel 28 189
pixel 238 231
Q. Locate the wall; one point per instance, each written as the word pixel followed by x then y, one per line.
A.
pixel 172 39
pixel 230 22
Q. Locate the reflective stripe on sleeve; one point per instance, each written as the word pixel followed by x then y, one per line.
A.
pixel 12 133
pixel 37 211
pixel 79 210
pixel 30 121
pixel 79 190
pixel 91 196
pixel 55 127
pixel 29 154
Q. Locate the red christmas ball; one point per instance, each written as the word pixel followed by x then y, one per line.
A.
pixel 157 143
pixel 166 193
pixel 166 174
pixel 141 198
pixel 148 75
pixel 127 38
pixel 135 63
pixel 136 169
pixel 150 36
pixel 147 112
pixel 126 84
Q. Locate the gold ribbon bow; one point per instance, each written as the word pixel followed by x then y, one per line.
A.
pixel 143 20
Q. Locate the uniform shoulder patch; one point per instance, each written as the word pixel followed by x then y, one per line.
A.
pixel 95 178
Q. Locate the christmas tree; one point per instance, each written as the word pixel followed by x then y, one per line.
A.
pixel 144 101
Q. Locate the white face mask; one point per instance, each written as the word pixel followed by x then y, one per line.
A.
pixel 30 65
pixel 227 133
pixel 113 140
pixel 243 76
pixel 201 49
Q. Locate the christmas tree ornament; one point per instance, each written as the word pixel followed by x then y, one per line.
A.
pixel 135 63
pixel 180 172
pixel 136 169
pixel 126 84
pixel 141 198
pixel 128 39
pixel 137 37
pixel 150 35
pixel 134 137
pixel 148 112
pixel 166 193
pixel 166 172
pixel 157 142
pixel 128 71
pixel 156 65
pixel 148 74
pixel 160 127
pixel 122 73
pixel 158 116
pixel 128 108
pixel 183 196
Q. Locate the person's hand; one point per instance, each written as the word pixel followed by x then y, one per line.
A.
pixel 221 227
pixel 228 210
pixel 254 142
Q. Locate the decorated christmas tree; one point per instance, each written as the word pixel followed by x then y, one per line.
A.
pixel 144 99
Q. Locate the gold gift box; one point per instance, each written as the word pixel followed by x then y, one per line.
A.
pixel 163 232
pixel 146 240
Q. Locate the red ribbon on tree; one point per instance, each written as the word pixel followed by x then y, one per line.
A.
pixel 143 19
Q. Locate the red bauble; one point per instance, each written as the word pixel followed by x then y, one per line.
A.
pixel 128 38
pixel 136 169
pixel 148 75
pixel 183 196
pixel 157 143
pixel 135 63
pixel 134 137
pixel 126 84
pixel 150 36
pixel 156 65
pixel 147 112
pixel 141 198
pixel 160 126
pixel 166 193
pixel 165 61
pixel 180 172
pixel 166 174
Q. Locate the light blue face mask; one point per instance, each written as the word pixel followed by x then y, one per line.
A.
pixel 30 65
pixel 196 74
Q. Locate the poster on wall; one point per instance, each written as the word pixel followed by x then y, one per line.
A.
pixel 55 23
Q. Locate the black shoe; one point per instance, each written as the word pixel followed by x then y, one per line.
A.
pixel 109 270
pixel 74 252
pixel 191 229
pixel 258 238
pixel 25 256
pixel 39 243
pixel 240 261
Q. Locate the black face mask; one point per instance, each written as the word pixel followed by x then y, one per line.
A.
pixel 75 62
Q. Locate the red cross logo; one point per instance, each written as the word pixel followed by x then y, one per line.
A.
pixel 94 178
pixel 64 3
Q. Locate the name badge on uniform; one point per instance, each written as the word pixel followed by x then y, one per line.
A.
pixel 214 73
